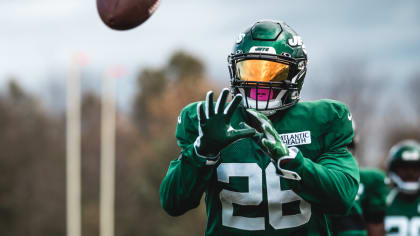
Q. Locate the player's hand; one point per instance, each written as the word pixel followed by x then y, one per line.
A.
pixel 271 141
pixel 215 131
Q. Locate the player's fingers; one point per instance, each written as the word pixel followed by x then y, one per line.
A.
pixel 254 117
pixel 201 113
pixel 259 117
pixel 240 133
pixel 275 139
pixel 257 137
pixel 209 104
pixel 230 109
pixel 244 125
pixel 270 129
pixel 268 144
pixel 270 133
pixel 221 101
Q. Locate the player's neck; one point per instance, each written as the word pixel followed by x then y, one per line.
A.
pixel 278 115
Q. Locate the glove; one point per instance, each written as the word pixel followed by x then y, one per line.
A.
pixel 215 131
pixel 271 142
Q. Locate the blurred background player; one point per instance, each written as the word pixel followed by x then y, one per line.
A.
pixel 367 214
pixel 403 202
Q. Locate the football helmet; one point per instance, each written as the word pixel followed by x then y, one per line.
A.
pixel 268 66
pixel 404 156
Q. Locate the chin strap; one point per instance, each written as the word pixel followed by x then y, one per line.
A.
pixel 405 187
pixel 268 112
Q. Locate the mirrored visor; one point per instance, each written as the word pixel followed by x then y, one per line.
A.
pixel 261 70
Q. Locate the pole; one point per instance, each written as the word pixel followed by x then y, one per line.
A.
pixel 107 185
pixel 73 153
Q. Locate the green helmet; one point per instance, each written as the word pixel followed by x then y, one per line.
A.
pixel 268 66
pixel 405 153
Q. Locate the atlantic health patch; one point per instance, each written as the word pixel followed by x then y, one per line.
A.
pixel 294 139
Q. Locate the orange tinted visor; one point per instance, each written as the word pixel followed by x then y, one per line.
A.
pixel 262 71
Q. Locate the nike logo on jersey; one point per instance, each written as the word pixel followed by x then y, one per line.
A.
pixel 294 139
pixel 179 119
pixel 349 116
pixel 360 191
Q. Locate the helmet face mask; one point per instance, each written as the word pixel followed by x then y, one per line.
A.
pixel 407 187
pixel 267 67
pixel 404 166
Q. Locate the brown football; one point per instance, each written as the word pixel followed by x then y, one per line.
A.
pixel 125 14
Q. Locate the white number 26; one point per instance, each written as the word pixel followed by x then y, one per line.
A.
pixel 276 197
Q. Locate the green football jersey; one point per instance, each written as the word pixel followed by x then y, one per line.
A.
pixel 369 207
pixel 402 214
pixel 244 195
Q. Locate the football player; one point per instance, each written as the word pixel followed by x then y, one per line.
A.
pixel 268 164
pixel 367 214
pixel 403 211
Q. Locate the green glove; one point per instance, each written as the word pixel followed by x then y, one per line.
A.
pixel 215 131
pixel 271 141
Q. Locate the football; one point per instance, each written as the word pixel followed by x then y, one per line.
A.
pixel 125 14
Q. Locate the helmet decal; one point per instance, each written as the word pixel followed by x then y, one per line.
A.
pixel 240 38
pixel 295 41
pixel 269 50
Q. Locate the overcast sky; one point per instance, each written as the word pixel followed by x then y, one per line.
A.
pixel 38 38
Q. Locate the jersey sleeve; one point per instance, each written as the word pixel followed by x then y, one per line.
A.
pixel 188 175
pixel 330 181
pixel 374 203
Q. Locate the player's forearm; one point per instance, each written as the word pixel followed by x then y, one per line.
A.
pixel 328 185
pixel 183 185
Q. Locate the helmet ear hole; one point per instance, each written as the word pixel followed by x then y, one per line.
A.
pixel 285 54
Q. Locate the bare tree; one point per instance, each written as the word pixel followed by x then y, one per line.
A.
pixel 351 84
